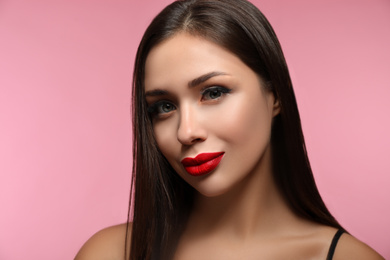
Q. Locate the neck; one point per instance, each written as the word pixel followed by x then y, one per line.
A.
pixel 254 206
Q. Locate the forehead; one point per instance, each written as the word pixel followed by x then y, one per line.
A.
pixel 183 57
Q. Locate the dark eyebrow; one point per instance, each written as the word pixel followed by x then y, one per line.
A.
pixel 156 92
pixel 205 77
pixel 191 84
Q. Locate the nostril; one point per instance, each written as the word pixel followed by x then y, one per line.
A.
pixel 197 140
pixel 191 137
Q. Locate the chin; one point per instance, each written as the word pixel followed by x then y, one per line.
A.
pixel 211 194
pixel 212 191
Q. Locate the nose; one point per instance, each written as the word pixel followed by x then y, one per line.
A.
pixel 191 129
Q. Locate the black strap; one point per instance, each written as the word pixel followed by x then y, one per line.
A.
pixel 334 244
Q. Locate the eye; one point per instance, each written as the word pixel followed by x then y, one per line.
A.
pixel 214 92
pixel 166 107
pixel 161 107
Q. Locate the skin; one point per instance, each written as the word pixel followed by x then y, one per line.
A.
pixel 238 213
pixel 237 123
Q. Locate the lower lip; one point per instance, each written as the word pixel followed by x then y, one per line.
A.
pixel 205 167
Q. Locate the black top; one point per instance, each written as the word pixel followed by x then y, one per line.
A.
pixel 334 244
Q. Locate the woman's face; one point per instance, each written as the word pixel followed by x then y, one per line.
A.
pixel 211 116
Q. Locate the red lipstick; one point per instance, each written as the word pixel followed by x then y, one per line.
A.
pixel 202 164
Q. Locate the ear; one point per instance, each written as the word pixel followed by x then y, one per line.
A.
pixel 276 106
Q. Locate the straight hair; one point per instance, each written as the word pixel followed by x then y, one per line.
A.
pixel 162 200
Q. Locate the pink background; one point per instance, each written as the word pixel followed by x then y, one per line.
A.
pixel 65 132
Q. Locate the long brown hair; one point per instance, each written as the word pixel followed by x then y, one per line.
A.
pixel 162 200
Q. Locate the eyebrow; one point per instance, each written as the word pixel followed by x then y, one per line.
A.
pixel 193 83
pixel 205 77
pixel 156 93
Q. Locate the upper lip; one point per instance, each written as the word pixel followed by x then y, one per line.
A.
pixel 200 159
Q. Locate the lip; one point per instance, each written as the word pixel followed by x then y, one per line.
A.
pixel 202 164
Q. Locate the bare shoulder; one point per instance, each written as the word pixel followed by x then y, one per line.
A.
pixel 349 247
pixel 107 244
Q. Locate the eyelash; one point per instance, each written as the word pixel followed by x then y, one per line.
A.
pixel 155 109
pixel 209 90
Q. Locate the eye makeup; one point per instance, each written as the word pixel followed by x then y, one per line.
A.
pixel 214 92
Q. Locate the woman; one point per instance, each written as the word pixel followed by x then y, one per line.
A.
pixel 221 170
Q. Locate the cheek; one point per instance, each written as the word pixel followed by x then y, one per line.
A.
pixel 247 121
pixel 164 133
pixel 166 137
